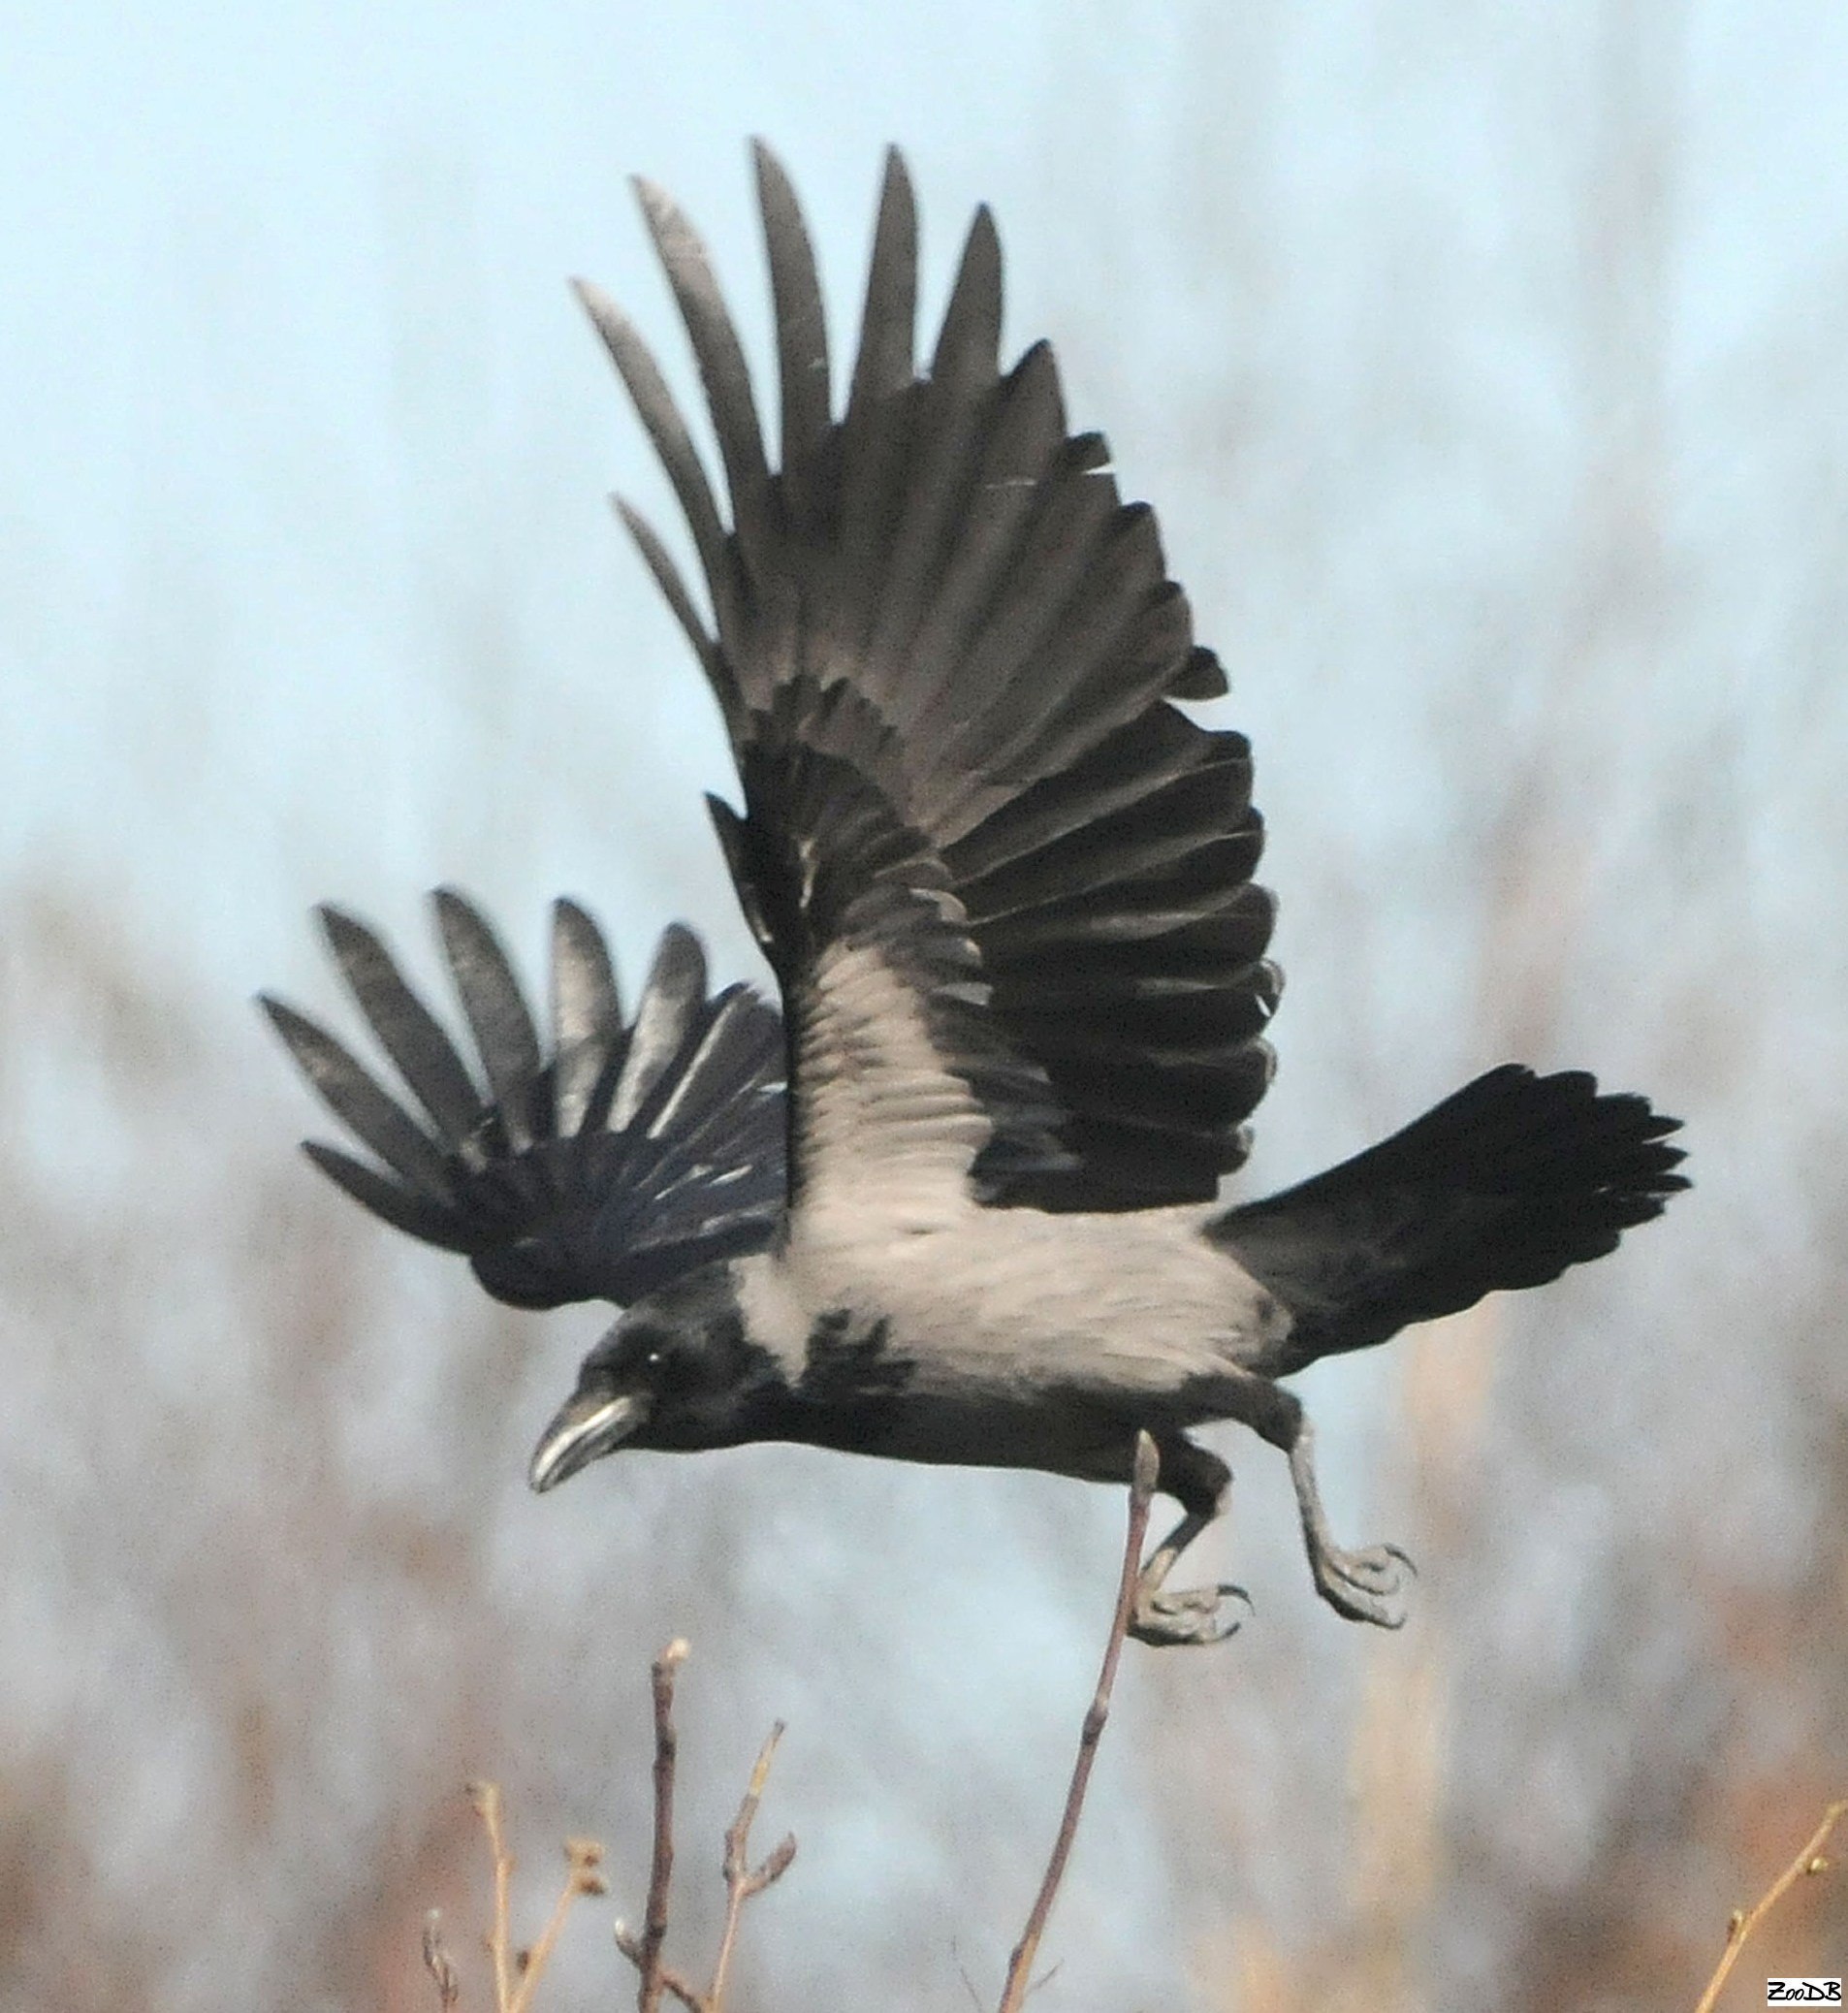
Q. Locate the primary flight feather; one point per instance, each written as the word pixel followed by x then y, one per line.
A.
pixel 1005 885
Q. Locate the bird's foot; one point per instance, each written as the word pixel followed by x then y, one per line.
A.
pixel 1192 1615
pixel 1363 1586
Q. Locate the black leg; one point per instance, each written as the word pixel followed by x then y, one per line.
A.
pixel 1363 1586
pixel 1200 1482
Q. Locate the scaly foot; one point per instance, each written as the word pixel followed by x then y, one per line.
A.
pixel 1192 1615
pixel 1363 1586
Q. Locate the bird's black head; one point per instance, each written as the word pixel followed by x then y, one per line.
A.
pixel 675 1372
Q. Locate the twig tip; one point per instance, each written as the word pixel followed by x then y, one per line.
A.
pixel 1146 1471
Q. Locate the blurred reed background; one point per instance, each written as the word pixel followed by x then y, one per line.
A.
pixel 1487 370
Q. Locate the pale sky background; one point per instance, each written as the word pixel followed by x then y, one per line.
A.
pixel 281 308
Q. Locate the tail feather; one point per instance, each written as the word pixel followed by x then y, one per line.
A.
pixel 1504 1185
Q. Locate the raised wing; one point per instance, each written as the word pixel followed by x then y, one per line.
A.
pixel 629 1154
pixel 1004 883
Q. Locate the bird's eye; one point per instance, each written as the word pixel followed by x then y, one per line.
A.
pixel 671 1368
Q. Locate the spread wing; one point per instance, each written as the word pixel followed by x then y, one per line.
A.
pixel 1004 883
pixel 627 1154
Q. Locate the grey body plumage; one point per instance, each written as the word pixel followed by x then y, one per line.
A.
pixel 959 1204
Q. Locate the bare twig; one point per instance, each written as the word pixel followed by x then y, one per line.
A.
pixel 1808 1862
pixel 437 1961
pixel 672 1983
pixel 661 1869
pixel 486 1798
pixel 516 1977
pixel 742 1882
pixel 1146 1473
pixel 583 1856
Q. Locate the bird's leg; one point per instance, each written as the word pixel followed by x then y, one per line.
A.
pixel 1200 1482
pixel 1363 1586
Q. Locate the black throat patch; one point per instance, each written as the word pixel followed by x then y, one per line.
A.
pixel 841 1363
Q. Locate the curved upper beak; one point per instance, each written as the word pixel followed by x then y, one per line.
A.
pixel 589 1425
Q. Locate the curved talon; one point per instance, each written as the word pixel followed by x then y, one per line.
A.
pixel 1189 1615
pixel 1361 1585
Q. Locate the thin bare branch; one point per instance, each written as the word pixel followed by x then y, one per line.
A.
pixel 516 1978
pixel 583 1856
pixel 742 1882
pixel 672 1983
pixel 1145 1475
pixel 437 1961
pixel 1808 1863
pixel 486 1798
pixel 661 1870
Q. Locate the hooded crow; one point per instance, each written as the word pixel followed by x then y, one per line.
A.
pixel 958 1203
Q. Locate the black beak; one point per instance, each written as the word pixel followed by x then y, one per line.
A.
pixel 593 1423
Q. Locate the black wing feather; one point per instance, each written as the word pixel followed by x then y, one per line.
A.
pixel 667 429
pixel 601 1170
pixel 950 681
pixel 801 354
pixel 505 1036
pixel 874 432
pixel 952 411
pixel 587 1016
pixel 667 577
pixel 351 1092
pixel 433 1223
pixel 722 370
pixel 664 1020
pixel 407 1031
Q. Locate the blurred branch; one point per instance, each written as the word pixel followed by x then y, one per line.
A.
pixel 742 1880
pixel 437 1961
pixel 672 1983
pixel 662 1868
pixel 583 1856
pixel 517 1974
pixel 1145 1475
pixel 486 1798
pixel 1808 1863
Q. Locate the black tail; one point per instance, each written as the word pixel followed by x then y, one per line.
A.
pixel 1505 1184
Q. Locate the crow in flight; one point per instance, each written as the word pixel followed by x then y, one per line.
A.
pixel 958 1203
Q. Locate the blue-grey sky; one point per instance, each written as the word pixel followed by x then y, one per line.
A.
pixel 286 360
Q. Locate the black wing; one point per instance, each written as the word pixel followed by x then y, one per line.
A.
pixel 630 1153
pixel 1004 883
